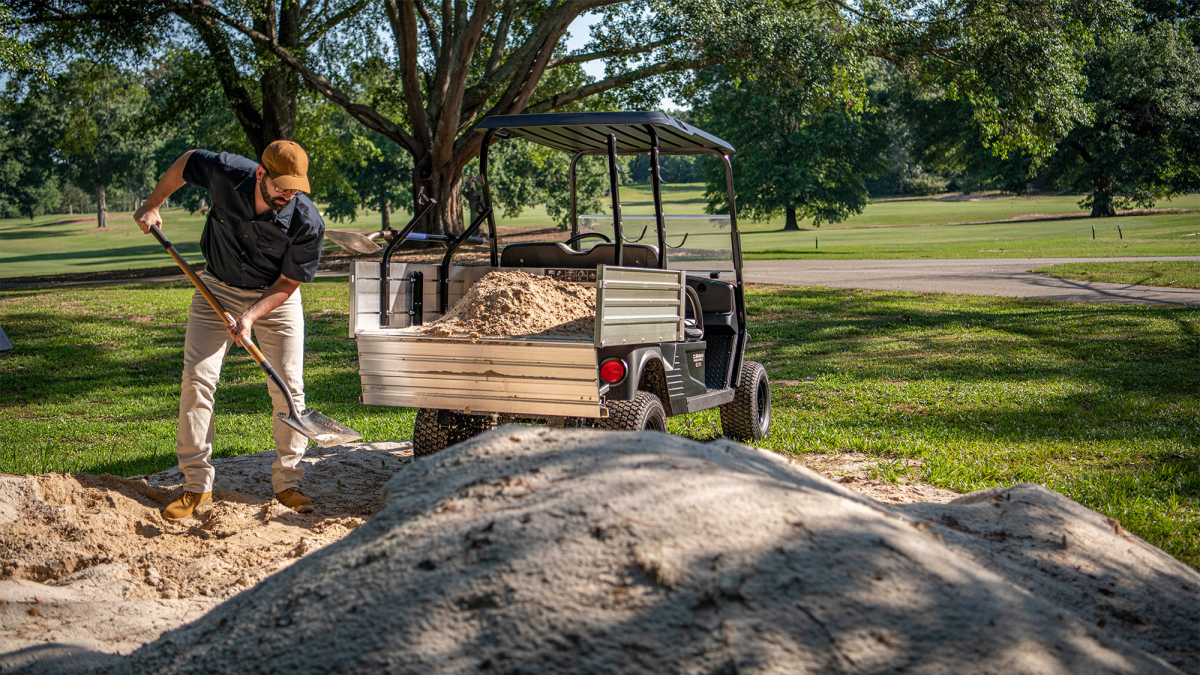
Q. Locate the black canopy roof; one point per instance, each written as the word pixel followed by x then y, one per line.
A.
pixel 575 132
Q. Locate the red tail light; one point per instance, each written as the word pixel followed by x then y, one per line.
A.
pixel 612 371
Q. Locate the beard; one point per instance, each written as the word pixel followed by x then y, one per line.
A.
pixel 276 203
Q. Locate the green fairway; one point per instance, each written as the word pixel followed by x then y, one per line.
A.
pixel 887 229
pixel 1095 401
pixel 1169 274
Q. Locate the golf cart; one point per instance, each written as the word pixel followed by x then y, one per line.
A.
pixel 670 324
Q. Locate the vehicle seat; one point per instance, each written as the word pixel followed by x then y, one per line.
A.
pixel 558 254
pixel 716 297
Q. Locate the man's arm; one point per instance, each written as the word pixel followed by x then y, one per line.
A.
pixel 271 298
pixel 172 180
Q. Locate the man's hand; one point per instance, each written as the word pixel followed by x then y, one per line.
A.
pixel 239 330
pixel 146 216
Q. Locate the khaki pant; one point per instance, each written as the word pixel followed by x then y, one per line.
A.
pixel 280 336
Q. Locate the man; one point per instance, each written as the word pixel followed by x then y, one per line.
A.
pixel 262 240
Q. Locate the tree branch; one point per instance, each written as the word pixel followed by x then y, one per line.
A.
pixel 521 60
pixel 559 100
pixel 365 114
pixel 430 27
pixel 404 29
pixel 320 31
pixel 592 56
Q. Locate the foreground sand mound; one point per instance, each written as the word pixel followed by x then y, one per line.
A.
pixel 511 304
pixel 89 559
pixel 537 551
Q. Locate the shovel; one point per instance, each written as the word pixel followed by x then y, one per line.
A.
pixel 309 422
pixel 365 243
pixel 353 241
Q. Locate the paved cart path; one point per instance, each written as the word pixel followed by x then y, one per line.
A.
pixel 993 276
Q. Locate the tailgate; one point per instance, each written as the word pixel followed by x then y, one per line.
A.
pixel 501 375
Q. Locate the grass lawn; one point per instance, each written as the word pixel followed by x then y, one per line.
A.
pixel 887 229
pixel 1173 274
pixel 1095 401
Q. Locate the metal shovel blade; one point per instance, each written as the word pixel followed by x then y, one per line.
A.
pixel 320 428
pixel 352 241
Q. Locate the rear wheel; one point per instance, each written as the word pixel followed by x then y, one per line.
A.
pixel 748 416
pixel 436 430
pixel 644 413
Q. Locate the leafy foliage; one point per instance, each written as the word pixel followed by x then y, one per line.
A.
pixel 804 160
pixel 1143 144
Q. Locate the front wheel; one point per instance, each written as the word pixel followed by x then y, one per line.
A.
pixel 748 416
pixel 644 413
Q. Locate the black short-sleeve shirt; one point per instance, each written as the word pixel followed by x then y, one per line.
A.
pixel 245 249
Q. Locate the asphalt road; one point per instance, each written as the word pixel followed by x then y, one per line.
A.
pixel 993 276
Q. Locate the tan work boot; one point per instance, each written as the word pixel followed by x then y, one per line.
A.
pixel 183 507
pixel 294 499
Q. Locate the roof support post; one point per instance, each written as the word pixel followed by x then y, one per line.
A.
pixel 619 239
pixel 656 188
pixel 487 196
pixel 574 198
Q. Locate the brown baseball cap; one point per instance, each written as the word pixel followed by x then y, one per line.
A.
pixel 287 164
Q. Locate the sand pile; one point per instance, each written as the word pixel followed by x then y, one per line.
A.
pixel 512 304
pixel 90 556
pixel 537 551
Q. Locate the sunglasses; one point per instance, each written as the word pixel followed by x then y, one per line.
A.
pixel 285 193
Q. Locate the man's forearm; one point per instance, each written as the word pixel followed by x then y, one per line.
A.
pixel 171 181
pixel 274 296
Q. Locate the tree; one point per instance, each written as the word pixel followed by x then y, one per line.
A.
pixel 1144 141
pixel 802 158
pixel 84 123
pixel 28 183
pixel 1018 64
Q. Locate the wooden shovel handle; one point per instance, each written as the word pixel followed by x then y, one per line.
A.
pixel 203 288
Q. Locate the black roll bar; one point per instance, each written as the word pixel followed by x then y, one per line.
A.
pixel 443 289
pixel 385 275
pixel 487 195
pixel 613 178
pixel 656 188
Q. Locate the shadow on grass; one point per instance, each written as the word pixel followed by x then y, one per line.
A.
pixel 1113 346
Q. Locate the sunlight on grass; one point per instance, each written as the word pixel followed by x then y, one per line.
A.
pixel 1095 401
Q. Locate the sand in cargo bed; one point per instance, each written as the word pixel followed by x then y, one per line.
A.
pixel 516 304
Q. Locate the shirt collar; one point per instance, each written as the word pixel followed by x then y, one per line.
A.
pixel 247 185
pixel 284 218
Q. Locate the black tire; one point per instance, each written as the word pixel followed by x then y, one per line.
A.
pixel 748 416
pixel 431 436
pixel 644 413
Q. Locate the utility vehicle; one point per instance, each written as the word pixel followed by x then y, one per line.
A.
pixel 670 327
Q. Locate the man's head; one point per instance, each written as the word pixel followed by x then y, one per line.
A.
pixel 283 173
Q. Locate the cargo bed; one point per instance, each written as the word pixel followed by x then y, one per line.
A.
pixel 509 375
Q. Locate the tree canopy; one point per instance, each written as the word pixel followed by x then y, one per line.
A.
pixel 443 68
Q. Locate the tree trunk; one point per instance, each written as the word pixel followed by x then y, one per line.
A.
pixel 790 223
pixel 101 208
pixel 280 84
pixel 384 218
pixel 444 185
pixel 1102 199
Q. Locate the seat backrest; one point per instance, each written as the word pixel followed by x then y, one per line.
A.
pixel 716 297
pixel 558 254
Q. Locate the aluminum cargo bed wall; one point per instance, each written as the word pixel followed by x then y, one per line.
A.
pixel 534 377
pixel 636 306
